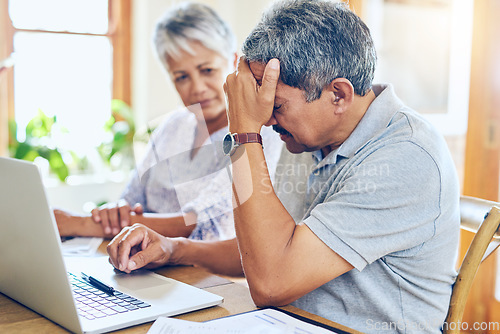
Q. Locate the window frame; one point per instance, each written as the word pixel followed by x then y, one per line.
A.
pixel 119 34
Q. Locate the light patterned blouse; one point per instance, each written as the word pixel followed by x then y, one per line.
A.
pixel 171 179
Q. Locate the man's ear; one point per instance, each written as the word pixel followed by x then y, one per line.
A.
pixel 342 93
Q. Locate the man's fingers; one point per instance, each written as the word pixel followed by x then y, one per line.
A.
pixel 134 237
pixel 270 80
pixel 112 248
pixel 141 259
pixel 243 69
pixel 134 247
pixel 250 93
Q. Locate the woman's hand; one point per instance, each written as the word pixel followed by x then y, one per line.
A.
pixel 115 216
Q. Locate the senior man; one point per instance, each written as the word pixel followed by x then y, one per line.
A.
pixel 376 246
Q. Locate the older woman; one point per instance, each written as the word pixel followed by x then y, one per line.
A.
pixel 182 185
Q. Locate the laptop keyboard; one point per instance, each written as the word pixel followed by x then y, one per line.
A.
pixel 93 303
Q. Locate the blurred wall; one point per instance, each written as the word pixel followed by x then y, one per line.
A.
pixel 153 94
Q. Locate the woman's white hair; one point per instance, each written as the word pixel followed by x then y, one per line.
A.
pixel 192 22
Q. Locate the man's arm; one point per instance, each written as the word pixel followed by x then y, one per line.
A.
pixel 282 261
pixel 219 257
pixel 170 225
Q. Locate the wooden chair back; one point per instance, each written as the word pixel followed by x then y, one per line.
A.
pixel 483 218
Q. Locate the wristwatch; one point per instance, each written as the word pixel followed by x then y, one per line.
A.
pixel 231 141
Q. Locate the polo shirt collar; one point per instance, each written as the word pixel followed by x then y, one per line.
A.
pixel 377 117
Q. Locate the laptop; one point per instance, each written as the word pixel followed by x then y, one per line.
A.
pixel 34 272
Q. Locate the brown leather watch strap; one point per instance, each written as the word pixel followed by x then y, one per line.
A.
pixel 251 137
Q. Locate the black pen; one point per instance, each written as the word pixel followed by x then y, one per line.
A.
pixel 98 284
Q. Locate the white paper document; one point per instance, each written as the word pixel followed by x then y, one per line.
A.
pixel 265 321
pixel 81 246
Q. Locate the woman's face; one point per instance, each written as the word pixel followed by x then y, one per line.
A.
pixel 200 78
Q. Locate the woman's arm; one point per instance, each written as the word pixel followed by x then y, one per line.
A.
pixel 82 225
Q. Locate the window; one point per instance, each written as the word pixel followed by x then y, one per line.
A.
pixel 424 49
pixel 71 59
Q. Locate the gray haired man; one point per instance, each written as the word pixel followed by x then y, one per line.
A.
pixel 375 247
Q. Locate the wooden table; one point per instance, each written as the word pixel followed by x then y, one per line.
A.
pixel 15 318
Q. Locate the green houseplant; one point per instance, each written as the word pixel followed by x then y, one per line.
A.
pixel 121 126
pixel 38 142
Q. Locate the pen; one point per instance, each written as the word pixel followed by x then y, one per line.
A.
pixel 98 284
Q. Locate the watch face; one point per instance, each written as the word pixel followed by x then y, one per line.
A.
pixel 227 144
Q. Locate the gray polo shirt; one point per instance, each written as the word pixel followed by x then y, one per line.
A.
pixel 387 201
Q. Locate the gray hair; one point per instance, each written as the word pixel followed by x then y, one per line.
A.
pixel 192 22
pixel 316 42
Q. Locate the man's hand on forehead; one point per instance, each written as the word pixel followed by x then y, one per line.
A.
pixel 250 94
pixel 257 70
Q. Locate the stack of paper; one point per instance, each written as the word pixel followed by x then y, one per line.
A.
pixel 81 246
pixel 265 321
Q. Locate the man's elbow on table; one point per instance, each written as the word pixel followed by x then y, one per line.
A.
pixel 269 293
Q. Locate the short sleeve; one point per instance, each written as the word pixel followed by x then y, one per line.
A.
pixel 213 205
pixel 157 151
pixel 387 203
pixel 135 191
